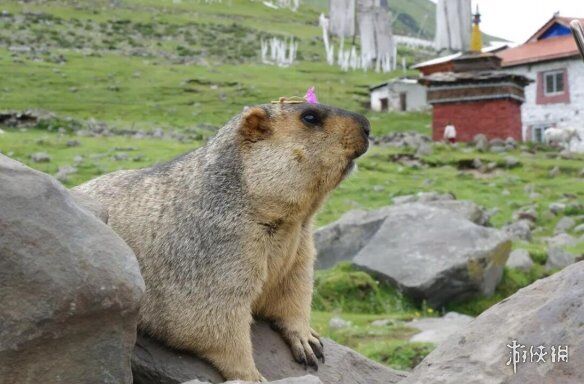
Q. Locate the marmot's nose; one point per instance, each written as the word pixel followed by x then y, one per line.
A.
pixel 363 123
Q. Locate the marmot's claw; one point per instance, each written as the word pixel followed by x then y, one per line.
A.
pixel 304 352
pixel 318 350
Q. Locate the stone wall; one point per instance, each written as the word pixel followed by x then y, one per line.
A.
pixel 560 114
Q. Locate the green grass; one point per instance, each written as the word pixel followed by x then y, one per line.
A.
pixel 349 290
pixel 387 344
pixel 97 153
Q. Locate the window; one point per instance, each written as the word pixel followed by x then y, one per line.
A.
pixel 553 87
pixel 553 83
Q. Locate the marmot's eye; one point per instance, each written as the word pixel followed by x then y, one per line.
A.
pixel 310 118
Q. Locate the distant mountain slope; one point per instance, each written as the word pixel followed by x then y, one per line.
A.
pixel 415 18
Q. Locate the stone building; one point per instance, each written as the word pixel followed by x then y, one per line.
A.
pixel 476 102
pixel 550 58
pixel 556 97
pixel 398 95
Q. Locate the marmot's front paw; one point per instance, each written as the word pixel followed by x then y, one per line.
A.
pixel 306 346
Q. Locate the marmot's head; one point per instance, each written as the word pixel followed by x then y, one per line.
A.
pixel 296 153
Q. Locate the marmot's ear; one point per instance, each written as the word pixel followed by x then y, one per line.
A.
pixel 255 124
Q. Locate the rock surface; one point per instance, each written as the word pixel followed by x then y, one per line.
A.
pixel 559 258
pixel 565 224
pixel 519 230
pixel 547 313
pixel 439 329
pixel 434 255
pixel 520 259
pixel 69 287
pixel 153 363
pixel 342 239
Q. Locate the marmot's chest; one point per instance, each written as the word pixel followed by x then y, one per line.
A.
pixel 277 246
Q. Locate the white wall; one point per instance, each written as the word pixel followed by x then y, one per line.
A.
pixel 376 96
pixel 560 114
pixel 415 96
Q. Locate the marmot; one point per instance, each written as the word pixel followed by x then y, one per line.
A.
pixel 224 232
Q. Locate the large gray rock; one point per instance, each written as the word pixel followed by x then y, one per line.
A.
pixel 547 313
pixel 463 208
pixel 559 258
pixel 153 363
pixel 565 224
pixel 344 238
pixel 519 230
pixel 520 259
pixel 436 330
pixel 434 255
pixel 341 240
pixel 69 286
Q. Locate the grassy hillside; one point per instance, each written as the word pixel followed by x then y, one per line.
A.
pixel 152 64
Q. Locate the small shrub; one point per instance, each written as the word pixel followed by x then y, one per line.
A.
pixel 349 290
pixel 398 354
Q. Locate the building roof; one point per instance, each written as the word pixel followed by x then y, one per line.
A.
pixel 555 21
pixel 553 41
pixel 404 80
pixel 445 78
pixel 445 59
pixel 540 50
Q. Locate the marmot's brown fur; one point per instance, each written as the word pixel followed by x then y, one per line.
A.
pixel 224 233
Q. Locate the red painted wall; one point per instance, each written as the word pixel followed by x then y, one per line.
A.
pixel 499 118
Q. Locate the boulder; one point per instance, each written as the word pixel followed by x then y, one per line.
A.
pixel 154 363
pixel 40 157
pixel 342 239
pixel 559 258
pixel 422 197
pixel 520 259
pixel 511 162
pixel 463 208
pixel 481 142
pixel 70 288
pixel 436 330
pixel 510 142
pixel 561 240
pixel 497 142
pixel 519 230
pixel 565 224
pixel 547 313
pixel 557 207
pixel 434 255
pixel 526 213
pixel 498 148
